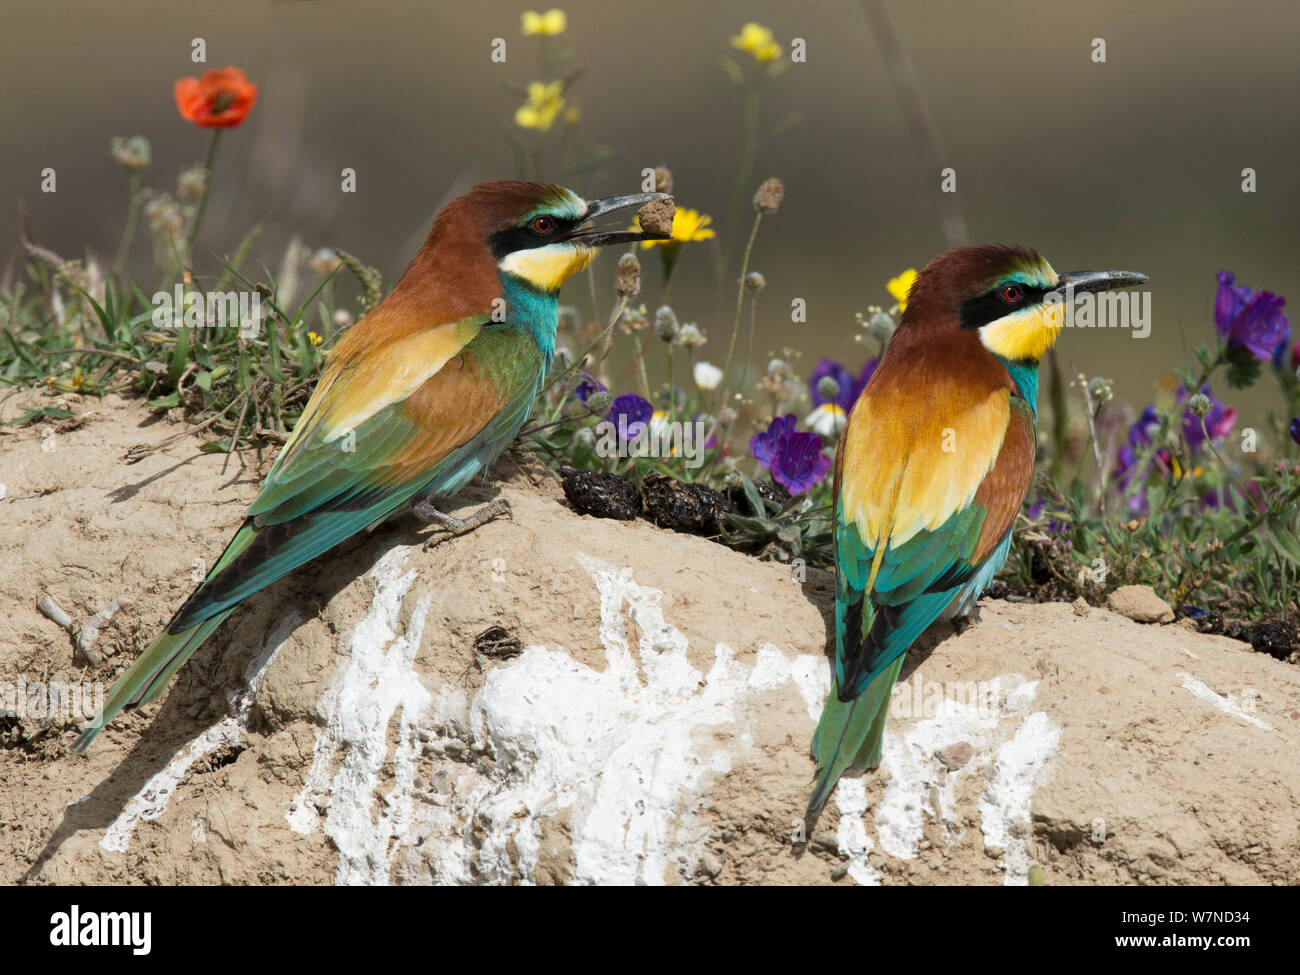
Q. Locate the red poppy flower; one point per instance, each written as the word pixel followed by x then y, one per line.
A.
pixel 220 100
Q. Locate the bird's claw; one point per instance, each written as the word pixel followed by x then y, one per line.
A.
pixel 455 527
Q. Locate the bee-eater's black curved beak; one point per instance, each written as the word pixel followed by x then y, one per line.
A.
pixel 1076 281
pixel 593 237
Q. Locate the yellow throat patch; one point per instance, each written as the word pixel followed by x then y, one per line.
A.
pixel 547 268
pixel 1025 335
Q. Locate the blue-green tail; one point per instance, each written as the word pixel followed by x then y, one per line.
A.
pixel 849 735
pixel 145 679
pixel 193 623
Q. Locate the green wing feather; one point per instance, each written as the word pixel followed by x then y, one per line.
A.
pixel 320 493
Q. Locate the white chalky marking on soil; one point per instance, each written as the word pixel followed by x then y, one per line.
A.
pixel 920 787
pixel 151 801
pixel 623 755
pixel 1005 804
pixel 378 679
pixel 1202 690
pixel 621 749
pixel 851 837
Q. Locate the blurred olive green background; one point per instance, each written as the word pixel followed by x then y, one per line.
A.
pixel 1135 163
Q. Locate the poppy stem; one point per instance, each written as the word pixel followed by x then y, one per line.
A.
pixel 207 189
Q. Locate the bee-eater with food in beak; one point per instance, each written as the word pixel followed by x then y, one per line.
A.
pixel 935 460
pixel 416 399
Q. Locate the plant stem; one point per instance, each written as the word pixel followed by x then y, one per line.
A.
pixel 207 189
pixel 749 342
pixel 740 299
pixel 613 320
pixel 128 232
pixel 1060 428
pixel 1205 376
pixel 640 365
pixel 748 159
pixel 672 391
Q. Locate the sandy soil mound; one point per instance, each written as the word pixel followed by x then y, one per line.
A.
pixel 561 699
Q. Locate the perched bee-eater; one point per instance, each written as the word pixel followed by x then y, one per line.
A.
pixel 933 465
pixel 417 398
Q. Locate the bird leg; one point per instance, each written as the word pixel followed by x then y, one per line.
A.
pixel 423 509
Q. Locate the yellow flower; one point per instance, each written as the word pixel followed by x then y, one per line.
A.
pixel 757 41
pixel 688 225
pixel 545 102
pixel 901 285
pixel 572 115
pixel 314 338
pixel 546 25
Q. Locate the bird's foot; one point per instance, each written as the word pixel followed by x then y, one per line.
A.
pixel 423 509
pixel 961 624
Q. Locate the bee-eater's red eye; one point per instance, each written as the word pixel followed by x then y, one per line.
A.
pixel 1011 294
pixel 543 225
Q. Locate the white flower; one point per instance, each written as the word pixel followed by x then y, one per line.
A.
pixel 707 375
pixel 827 420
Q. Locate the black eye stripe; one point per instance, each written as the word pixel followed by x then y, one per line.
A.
pixel 512 239
pixel 989 307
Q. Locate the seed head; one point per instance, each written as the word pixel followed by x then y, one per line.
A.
pixel 880 326
pixel 190 182
pixel 690 336
pixel 828 388
pixel 131 154
pixel 769 196
pixel 324 262
pixel 627 282
pixel 666 326
pixel 600 401
pixel 755 282
pixel 634 320
pixel 1100 390
pixel 1199 404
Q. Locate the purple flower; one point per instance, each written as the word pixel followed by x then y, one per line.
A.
pixel 1295 429
pixel 630 413
pixel 1054 525
pixel 1251 321
pixel 586 386
pixel 1140 433
pixel 849 384
pixel 793 457
pixel 1218 422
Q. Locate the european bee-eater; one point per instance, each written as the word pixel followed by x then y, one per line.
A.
pixel 934 462
pixel 415 400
